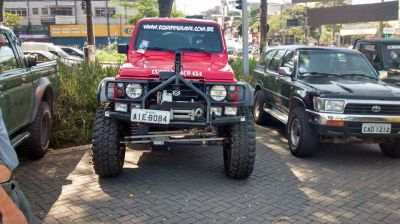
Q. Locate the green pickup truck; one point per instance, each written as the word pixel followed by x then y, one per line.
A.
pixel 28 92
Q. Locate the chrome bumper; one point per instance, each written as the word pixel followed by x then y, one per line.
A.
pixel 323 118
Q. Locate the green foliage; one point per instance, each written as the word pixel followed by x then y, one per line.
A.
pixel 12 20
pixel 110 54
pixel 237 66
pixel 177 14
pixel 77 105
pixel 144 9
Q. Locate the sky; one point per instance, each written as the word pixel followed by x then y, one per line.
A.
pixel 191 7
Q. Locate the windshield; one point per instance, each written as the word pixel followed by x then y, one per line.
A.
pixel 324 62
pixel 174 36
pixel 391 56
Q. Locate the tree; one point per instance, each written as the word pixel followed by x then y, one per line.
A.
pixel 144 8
pixel 165 7
pixel 263 25
pixel 1 10
pixel 12 20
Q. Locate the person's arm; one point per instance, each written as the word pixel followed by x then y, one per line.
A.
pixel 9 211
pixel 5 173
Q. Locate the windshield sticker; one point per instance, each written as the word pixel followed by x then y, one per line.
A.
pixel 183 73
pixel 185 28
pixel 393 47
pixel 143 46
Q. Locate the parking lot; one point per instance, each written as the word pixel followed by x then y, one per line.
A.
pixel 341 184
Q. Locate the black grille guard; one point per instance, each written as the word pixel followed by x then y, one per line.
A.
pixel 178 78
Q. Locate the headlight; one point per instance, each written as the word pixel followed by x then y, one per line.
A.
pixel 218 93
pixel 133 90
pixel 328 105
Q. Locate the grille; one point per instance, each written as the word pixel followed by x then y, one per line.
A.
pixel 367 109
pixel 355 128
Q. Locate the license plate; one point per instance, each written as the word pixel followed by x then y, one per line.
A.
pixel 376 128
pixel 150 116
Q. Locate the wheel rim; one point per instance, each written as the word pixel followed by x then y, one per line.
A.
pixel 256 109
pixel 295 131
pixel 45 131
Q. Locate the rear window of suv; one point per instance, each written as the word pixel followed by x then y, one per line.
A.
pixel 174 36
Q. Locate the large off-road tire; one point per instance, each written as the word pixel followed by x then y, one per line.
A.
pixel 240 148
pixel 392 148
pixel 40 130
pixel 260 116
pixel 302 137
pixel 107 151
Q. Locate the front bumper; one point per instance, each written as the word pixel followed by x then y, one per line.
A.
pixel 214 121
pixel 351 124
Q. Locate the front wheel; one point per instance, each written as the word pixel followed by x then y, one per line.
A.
pixel 391 148
pixel 107 151
pixel 302 138
pixel 260 116
pixel 239 149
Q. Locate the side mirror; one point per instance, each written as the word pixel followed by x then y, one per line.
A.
pixel 284 71
pixel 123 48
pixel 31 60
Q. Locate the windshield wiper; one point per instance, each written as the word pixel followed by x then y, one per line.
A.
pixel 308 74
pixel 192 49
pixel 359 74
pixel 159 49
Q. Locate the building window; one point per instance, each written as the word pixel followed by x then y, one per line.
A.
pixel 61 11
pixel 35 11
pixel 45 11
pixel 101 12
pixel 18 11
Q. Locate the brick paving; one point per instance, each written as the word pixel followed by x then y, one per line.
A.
pixel 341 184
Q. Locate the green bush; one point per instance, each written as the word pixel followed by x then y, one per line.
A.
pixel 77 105
pixel 110 55
pixel 237 66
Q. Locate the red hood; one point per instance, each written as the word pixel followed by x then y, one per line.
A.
pixel 200 66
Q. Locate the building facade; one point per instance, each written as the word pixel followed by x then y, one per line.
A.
pixel 39 16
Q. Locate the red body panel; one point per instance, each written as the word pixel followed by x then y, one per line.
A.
pixel 199 66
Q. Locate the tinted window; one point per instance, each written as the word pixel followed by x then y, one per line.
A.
pixel 391 56
pixel 288 61
pixel 7 57
pixel 370 52
pixel 323 62
pixel 276 61
pixel 173 36
pixel 266 58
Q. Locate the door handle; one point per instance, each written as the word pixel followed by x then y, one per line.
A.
pixel 23 78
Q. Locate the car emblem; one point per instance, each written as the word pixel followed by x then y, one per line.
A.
pixel 176 92
pixel 376 109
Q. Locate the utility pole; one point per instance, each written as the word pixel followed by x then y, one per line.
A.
pixel 380 26
pixel 245 33
pixel 108 23
pixel 90 50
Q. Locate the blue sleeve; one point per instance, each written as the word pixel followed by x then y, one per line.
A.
pixel 8 156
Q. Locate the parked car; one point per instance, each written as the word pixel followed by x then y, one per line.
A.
pixel 74 52
pixel 28 94
pixel 326 95
pixel 384 55
pixel 175 87
pixel 41 56
pixel 56 50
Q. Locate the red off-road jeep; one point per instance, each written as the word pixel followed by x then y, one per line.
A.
pixel 176 86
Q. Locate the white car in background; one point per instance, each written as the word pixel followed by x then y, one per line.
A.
pixel 50 47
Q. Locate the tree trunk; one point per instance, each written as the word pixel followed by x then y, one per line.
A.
pixel 263 25
pixel 1 10
pixel 165 8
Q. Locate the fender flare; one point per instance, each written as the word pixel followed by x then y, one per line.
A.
pixel 43 84
pixel 101 89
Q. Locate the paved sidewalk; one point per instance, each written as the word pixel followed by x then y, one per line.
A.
pixel 341 184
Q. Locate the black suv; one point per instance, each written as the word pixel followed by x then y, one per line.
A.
pixel 326 95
